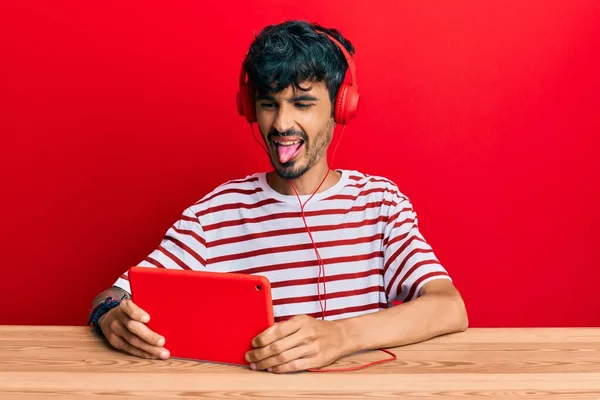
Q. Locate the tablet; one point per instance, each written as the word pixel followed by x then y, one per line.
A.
pixel 204 316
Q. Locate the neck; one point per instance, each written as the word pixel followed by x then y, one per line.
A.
pixel 307 183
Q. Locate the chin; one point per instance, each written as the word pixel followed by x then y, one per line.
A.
pixel 289 170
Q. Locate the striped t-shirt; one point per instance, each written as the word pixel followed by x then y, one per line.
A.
pixel 365 229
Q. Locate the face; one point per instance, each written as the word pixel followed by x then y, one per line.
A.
pixel 296 126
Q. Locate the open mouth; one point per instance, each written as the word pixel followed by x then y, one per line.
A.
pixel 288 149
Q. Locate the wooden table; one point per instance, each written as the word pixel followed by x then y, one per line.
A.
pixel 72 363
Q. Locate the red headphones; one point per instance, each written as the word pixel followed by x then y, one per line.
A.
pixel 346 102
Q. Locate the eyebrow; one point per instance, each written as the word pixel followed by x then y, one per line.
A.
pixel 304 97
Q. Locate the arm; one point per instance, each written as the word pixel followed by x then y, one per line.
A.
pixel 303 342
pixel 437 311
pixel 114 292
pixel 432 308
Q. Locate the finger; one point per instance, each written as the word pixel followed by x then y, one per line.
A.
pixel 156 352
pixel 142 331
pixel 277 347
pixel 133 311
pixel 282 358
pixel 279 331
pixel 300 364
pixel 121 344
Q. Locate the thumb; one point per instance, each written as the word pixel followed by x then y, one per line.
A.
pixel 134 312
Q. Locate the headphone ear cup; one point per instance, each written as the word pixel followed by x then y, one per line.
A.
pixel 339 114
pixel 346 104
pixel 245 104
pixel 351 100
pixel 239 102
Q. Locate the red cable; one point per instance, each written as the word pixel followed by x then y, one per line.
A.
pixel 322 265
pixel 319 259
pixel 347 369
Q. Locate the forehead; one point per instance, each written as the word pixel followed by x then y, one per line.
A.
pixel 317 89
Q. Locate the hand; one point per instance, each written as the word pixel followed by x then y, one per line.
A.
pixel 124 327
pixel 298 344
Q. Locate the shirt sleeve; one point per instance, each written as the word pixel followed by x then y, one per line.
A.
pixel 409 261
pixel 183 247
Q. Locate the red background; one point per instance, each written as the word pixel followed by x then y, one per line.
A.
pixel 115 116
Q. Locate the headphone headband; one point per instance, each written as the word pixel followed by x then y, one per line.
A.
pixel 347 56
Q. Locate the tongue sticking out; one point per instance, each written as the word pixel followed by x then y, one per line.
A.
pixel 286 153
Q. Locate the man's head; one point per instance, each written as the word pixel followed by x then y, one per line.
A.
pixel 296 73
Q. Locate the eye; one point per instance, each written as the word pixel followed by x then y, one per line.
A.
pixel 303 105
pixel 267 106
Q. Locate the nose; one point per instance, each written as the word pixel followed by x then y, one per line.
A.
pixel 283 120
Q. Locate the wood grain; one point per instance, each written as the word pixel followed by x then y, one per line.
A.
pixel 69 362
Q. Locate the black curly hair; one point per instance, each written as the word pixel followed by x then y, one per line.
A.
pixel 293 52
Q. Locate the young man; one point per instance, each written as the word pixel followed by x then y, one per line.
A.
pixel 364 229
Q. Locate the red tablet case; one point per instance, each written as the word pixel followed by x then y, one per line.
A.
pixel 207 316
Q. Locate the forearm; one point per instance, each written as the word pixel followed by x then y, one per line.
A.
pixel 114 292
pixel 418 320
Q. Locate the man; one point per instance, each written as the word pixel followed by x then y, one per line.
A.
pixel 282 223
